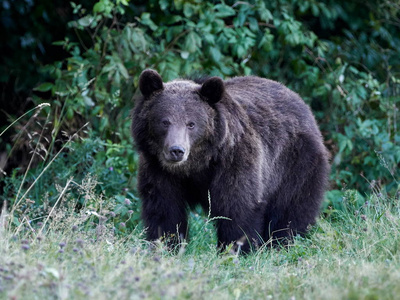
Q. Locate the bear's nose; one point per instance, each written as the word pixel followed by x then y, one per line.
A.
pixel 176 153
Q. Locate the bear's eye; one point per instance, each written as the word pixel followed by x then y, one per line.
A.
pixel 190 125
pixel 166 123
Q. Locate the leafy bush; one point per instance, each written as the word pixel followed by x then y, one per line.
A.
pixel 340 61
pixel 341 58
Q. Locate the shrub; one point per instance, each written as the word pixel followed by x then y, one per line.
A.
pixel 341 58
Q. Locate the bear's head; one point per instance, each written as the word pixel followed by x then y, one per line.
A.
pixel 179 119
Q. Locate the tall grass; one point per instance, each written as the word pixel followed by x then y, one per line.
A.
pixel 352 256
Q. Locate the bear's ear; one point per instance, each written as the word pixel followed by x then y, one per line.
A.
pixel 213 89
pixel 149 82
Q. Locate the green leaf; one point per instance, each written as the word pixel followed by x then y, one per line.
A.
pixel 123 2
pixel 266 41
pixel 240 51
pixel 178 4
pixel 98 7
pixel 192 42
pixel 253 24
pixel 44 87
pixel 123 70
pixel 88 101
pixel 240 19
pixel 70 113
pixel 145 20
pixel 215 54
pixel 184 54
pixel 174 19
pixel 85 21
pixel 16 221
pixel 188 10
pixel 137 40
pixel 315 10
pixel 265 14
pixel 120 209
pixel 163 4
pixel 58 43
pixel 224 11
pixel 335 197
pixel 104 123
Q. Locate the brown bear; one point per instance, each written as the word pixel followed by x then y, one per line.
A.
pixel 250 143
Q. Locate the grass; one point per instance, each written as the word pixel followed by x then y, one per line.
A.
pixel 353 254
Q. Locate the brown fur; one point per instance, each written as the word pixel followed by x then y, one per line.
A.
pixel 251 142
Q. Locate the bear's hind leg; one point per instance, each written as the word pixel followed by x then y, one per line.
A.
pixel 296 204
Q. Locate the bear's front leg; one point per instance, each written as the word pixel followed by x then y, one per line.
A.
pixel 243 235
pixel 163 207
pixel 236 204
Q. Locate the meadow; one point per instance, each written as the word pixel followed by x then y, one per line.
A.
pixel 351 253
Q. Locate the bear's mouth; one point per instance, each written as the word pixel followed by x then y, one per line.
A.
pixel 175 154
pixel 173 159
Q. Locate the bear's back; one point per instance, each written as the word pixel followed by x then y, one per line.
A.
pixel 270 104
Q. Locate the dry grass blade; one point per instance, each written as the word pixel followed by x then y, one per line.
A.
pixel 3 219
pixel 40 106
pixel 54 206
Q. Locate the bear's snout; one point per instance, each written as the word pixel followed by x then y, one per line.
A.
pixel 176 153
pixel 176 146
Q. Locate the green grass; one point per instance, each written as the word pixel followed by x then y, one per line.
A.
pixel 352 254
